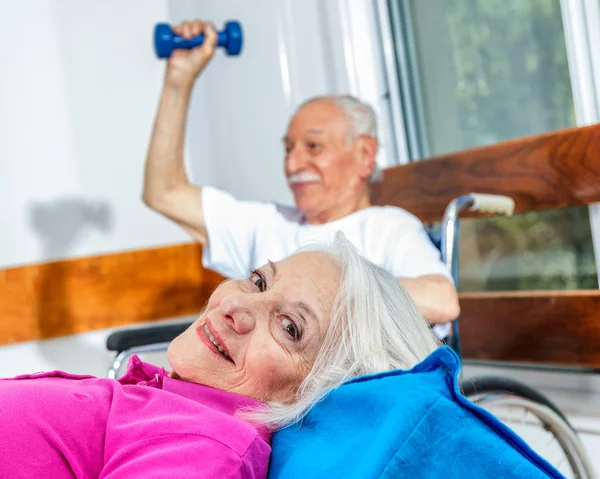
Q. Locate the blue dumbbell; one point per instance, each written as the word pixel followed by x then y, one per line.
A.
pixel 165 41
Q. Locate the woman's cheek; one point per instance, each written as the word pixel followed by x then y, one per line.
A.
pixel 277 371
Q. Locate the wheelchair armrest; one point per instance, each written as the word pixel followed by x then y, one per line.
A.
pixel 129 338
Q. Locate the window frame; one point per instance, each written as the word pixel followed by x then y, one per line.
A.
pixel 581 26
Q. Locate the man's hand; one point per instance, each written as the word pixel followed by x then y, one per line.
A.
pixel 183 66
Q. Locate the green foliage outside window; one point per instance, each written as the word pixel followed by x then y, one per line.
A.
pixel 512 80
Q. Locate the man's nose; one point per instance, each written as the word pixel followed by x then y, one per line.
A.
pixel 294 161
pixel 237 311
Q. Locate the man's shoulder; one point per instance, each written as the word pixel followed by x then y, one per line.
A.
pixel 391 216
pixel 289 213
pixel 216 199
pixel 279 211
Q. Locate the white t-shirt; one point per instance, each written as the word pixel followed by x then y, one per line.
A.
pixel 243 235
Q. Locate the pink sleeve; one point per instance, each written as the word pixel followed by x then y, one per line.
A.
pixel 184 456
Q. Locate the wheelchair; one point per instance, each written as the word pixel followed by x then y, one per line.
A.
pixel 525 410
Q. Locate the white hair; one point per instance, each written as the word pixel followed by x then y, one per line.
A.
pixel 374 327
pixel 361 117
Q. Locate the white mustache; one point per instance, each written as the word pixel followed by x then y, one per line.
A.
pixel 303 177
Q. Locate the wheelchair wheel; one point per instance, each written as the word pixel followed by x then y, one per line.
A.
pixel 535 419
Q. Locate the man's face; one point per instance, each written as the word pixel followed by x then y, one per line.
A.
pixel 323 169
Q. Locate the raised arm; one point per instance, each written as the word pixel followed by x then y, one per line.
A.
pixel 167 188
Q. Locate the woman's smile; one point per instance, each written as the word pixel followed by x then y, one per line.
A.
pixel 210 339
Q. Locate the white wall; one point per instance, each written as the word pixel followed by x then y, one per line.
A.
pixel 78 94
pixel 79 90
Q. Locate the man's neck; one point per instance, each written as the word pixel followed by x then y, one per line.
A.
pixel 337 212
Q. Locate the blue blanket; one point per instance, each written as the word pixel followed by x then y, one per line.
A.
pixel 412 424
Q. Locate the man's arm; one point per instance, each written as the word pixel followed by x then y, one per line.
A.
pixel 435 297
pixel 167 189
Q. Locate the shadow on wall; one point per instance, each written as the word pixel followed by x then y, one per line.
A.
pixel 59 225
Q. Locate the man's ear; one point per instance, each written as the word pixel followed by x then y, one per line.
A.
pixel 366 150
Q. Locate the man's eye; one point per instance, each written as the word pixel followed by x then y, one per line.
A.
pixel 290 328
pixel 314 147
pixel 258 281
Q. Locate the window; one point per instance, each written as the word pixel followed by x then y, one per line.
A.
pixel 481 72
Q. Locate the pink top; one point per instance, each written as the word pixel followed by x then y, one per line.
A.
pixel 144 425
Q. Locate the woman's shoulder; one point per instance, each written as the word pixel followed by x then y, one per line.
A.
pixel 181 419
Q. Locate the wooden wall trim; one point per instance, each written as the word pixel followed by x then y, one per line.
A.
pixel 550 327
pixel 73 296
pixel 553 170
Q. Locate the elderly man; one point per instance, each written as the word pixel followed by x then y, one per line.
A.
pixel 330 149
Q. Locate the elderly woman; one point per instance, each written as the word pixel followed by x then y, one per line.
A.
pixel 262 353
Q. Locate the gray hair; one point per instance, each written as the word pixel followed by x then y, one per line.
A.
pixel 374 327
pixel 361 117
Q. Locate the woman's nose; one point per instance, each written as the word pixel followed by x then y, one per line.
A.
pixel 237 311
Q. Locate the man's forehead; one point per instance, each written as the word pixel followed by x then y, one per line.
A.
pixel 320 108
pixel 289 136
pixel 317 123
pixel 315 131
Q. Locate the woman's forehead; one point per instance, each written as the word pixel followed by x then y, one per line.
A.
pixel 310 282
pixel 317 262
pixel 312 276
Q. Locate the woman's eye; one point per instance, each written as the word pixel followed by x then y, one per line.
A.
pixel 258 281
pixel 290 328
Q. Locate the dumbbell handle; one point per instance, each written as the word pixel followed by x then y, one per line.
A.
pixel 180 42
pixel 165 41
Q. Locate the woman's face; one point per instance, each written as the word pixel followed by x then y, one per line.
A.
pixel 259 337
